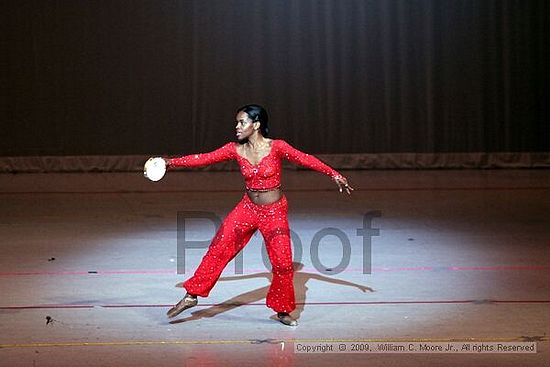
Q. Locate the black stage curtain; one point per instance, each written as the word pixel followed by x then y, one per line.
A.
pixel 114 77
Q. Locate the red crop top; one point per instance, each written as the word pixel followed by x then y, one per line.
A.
pixel 267 173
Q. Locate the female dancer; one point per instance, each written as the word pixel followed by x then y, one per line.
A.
pixel 263 207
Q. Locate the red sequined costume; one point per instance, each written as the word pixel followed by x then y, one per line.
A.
pixel 247 217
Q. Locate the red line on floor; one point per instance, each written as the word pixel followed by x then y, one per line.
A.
pixel 411 302
pixel 43 306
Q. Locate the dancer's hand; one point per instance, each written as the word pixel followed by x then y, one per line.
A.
pixel 342 183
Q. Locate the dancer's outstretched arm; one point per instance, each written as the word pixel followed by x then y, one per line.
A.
pixel 307 160
pixel 224 153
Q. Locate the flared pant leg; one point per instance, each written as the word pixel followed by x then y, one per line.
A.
pixel 234 233
pixel 274 227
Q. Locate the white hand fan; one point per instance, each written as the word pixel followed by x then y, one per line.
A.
pixel 154 169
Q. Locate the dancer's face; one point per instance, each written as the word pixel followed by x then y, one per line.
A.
pixel 245 127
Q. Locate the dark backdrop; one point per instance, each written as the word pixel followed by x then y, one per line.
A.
pixel 82 77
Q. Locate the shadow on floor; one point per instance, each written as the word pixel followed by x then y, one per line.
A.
pixel 256 295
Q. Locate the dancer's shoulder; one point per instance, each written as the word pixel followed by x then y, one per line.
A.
pixel 278 142
pixel 281 144
pixel 229 148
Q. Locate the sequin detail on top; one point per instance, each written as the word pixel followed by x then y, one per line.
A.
pixel 264 175
pixel 224 153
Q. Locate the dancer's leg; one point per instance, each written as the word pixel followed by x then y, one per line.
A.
pixel 276 233
pixel 232 236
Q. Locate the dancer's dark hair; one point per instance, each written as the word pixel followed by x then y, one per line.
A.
pixel 257 113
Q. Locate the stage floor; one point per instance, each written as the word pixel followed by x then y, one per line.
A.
pixel 89 268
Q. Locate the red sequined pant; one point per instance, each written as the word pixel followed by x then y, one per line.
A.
pixel 234 234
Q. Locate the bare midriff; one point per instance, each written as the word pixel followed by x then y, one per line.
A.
pixel 264 196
